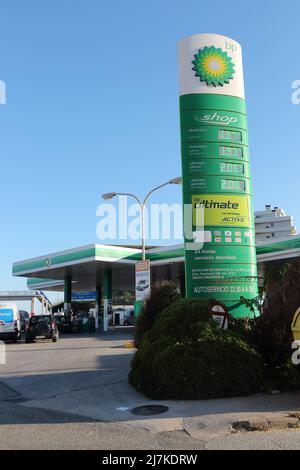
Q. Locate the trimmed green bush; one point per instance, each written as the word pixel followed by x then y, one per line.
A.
pixel 141 374
pixel 219 365
pixel 186 356
pixel 162 295
pixel 181 319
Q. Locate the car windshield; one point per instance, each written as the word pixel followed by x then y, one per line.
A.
pixel 38 318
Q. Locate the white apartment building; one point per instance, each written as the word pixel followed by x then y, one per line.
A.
pixel 273 223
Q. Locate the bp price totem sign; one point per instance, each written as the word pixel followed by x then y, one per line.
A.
pixel 220 260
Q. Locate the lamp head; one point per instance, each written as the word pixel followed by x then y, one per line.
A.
pixel 177 180
pixel 107 196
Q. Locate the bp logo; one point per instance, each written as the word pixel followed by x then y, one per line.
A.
pixel 213 66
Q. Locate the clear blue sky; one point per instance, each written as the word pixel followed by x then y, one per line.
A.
pixel 92 106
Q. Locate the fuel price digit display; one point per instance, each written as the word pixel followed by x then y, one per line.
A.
pixel 233 185
pixel 232 168
pixel 229 135
pixel 231 152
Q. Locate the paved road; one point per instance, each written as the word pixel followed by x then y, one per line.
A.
pixel 74 395
pixel 44 371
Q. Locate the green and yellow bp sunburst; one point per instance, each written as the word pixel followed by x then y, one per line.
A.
pixel 213 65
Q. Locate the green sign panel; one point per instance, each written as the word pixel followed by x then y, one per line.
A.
pixel 220 258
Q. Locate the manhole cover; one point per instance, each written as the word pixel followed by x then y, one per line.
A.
pixel 149 410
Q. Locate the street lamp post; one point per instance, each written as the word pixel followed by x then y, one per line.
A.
pixel 142 205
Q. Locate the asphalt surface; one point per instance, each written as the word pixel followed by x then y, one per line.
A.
pixel 47 370
pixel 74 394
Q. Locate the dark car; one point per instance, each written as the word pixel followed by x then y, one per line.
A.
pixel 65 324
pixel 41 326
pixel 62 323
pixel 23 318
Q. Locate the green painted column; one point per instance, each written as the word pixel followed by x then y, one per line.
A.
pixel 107 297
pixel 138 307
pixel 220 256
pixel 99 318
pixel 67 295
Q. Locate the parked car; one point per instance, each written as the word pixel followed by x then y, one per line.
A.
pixel 10 325
pixel 64 323
pixel 41 326
pixel 24 316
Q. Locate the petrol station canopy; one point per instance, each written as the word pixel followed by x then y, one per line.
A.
pixel 86 265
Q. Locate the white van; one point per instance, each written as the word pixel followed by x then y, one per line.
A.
pixel 10 325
